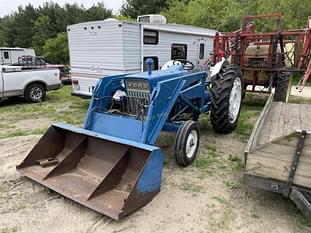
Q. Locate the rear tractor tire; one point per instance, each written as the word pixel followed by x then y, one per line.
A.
pixel 281 87
pixel 226 96
pixel 187 143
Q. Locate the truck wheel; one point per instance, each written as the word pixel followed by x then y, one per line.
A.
pixel 187 143
pixel 226 96
pixel 281 86
pixel 35 93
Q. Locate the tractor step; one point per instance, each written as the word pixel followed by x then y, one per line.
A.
pixel 109 175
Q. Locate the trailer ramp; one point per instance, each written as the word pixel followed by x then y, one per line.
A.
pixel 278 153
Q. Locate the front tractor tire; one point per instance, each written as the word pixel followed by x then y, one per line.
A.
pixel 226 97
pixel 187 143
pixel 282 85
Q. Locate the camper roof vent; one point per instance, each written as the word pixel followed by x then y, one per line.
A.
pixel 152 19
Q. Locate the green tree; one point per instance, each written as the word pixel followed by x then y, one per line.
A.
pixel 2 34
pixel 296 13
pixel 43 30
pixel 98 12
pixel 19 27
pixel 55 50
pixel 222 15
pixel 226 15
pixel 173 12
pixel 31 27
pixel 134 8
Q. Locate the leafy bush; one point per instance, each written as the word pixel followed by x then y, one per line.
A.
pixel 55 49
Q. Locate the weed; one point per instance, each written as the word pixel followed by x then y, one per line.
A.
pixel 248 117
pixel 221 200
pixel 233 185
pixel 236 163
pixel 250 111
pixel 299 100
pixel 254 215
pixel 296 78
pixel 301 221
pixel 211 147
pixel 4 230
pixel 6 126
pixel 190 187
pixel 17 133
pixel 207 164
pixel 59 106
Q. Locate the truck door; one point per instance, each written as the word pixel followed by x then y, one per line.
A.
pixel 201 52
pixel 5 57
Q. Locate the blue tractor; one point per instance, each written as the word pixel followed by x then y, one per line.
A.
pixel 112 164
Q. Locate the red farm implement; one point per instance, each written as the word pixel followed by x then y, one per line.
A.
pixel 267 59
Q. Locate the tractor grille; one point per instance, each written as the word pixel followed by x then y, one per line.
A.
pixel 138 95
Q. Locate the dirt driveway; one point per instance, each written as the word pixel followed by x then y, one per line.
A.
pixel 208 196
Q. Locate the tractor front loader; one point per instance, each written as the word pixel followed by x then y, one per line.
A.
pixel 111 165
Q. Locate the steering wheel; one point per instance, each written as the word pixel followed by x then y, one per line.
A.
pixel 187 65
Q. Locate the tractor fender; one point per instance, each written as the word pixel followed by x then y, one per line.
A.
pixel 214 70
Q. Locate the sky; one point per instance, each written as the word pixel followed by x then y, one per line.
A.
pixel 7 6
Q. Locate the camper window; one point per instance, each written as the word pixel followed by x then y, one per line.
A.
pixel 6 55
pixel 201 55
pixel 151 37
pixel 179 51
pixel 155 64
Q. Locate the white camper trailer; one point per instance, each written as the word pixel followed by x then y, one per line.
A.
pixel 101 48
pixel 10 56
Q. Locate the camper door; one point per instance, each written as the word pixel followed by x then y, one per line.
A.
pixel 5 57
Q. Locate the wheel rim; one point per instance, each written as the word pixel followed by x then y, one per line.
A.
pixel 192 143
pixel 36 93
pixel 235 100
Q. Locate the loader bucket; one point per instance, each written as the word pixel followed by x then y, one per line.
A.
pixel 110 175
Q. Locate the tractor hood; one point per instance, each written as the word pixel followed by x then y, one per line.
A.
pixel 157 76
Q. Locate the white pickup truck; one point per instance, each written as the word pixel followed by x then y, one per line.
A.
pixel 31 84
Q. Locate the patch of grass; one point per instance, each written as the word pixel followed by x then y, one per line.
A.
pixel 208 161
pixel 236 163
pixel 212 161
pixel 296 78
pixel 55 99
pixel 233 185
pixel 190 187
pixel 302 222
pixel 248 116
pixel 211 148
pixel 4 229
pixel 6 126
pixel 17 133
pixel 59 106
pixel 299 100
pixel 254 216
pixel 221 200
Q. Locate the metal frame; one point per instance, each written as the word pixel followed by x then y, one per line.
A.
pixel 234 44
pixel 299 195
pixel 179 87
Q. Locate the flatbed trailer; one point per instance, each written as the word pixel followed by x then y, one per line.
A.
pixel 278 153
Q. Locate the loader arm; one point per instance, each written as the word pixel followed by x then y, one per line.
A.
pixel 163 98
